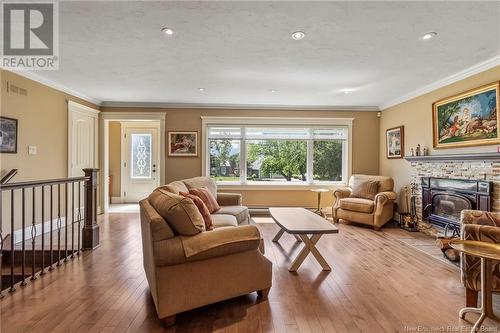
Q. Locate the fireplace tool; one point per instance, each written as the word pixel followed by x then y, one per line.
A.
pixel 408 221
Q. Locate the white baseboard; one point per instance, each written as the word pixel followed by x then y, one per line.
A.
pixel 18 234
pixel 116 200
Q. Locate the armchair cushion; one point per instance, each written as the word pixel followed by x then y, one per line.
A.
pixel 229 199
pixel 180 213
pixel 357 205
pixel 364 188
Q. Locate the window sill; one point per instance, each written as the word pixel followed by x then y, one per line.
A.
pixel 277 187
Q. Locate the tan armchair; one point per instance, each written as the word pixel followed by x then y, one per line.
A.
pixel 485 227
pixel 374 211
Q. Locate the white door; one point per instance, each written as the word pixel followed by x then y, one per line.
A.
pixel 139 163
pixel 82 138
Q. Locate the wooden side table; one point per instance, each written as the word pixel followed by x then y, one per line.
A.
pixel 319 191
pixel 488 252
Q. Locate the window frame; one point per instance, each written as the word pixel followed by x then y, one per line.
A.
pixel 303 122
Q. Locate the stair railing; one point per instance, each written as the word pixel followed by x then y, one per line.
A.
pixel 41 212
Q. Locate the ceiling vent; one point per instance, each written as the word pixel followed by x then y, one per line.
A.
pixel 16 90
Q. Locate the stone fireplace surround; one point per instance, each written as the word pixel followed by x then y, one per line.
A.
pixel 467 166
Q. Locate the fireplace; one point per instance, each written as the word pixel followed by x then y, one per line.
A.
pixel 443 199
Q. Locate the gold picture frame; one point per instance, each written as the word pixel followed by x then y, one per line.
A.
pixel 467 119
pixel 183 143
pixel 395 142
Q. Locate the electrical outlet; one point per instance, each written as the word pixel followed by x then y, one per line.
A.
pixel 32 150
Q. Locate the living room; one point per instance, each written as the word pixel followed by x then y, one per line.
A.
pixel 250 166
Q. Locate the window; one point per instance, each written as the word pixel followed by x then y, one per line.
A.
pixel 276 154
pixel 140 152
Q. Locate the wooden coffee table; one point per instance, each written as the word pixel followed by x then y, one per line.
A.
pixel 301 222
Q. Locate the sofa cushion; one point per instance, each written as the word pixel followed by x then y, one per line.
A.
pixel 223 220
pixel 198 182
pixel 202 208
pixel 221 242
pixel 175 187
pixel 357 205
pixel 240 212
pixel 204 194
pixel 180 213
pixel 364 188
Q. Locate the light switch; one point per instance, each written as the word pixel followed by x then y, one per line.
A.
pixel 32 150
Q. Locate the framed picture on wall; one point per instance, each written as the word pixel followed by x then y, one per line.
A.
pixel 8 135
pixel 183 143
pixel 467 119
pixel 394 142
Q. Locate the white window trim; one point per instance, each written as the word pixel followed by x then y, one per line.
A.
pixel 284 121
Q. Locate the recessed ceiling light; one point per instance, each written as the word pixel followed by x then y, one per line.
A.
pixel 201 89
pixel 167 31
pixel 298 35
pixel 347 91
pixel 428 35
pixel 274 91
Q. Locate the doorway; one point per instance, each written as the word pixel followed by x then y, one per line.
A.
pixel 139 160
pixel 114 146
pixel 82 138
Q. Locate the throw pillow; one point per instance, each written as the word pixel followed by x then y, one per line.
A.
pixel 204 194
pixel 179 212
pixel 202 208
pixel 364 188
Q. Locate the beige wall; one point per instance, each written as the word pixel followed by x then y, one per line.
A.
pixel 115 157
pixel 365 148
pixel 416 116
pixel 43 122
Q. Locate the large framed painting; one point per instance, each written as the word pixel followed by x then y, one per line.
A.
pixel 467 119
pixel 395 142
pixel 8 135
pixel 182 143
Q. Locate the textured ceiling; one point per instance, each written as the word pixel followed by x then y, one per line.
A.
pixel 239 51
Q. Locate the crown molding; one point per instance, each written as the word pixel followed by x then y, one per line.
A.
pixel 54 85
pixel 166 105
pixel 476 69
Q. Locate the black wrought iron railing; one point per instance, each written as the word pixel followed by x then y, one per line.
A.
pixel 45 223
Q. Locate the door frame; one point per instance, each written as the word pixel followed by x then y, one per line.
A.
pixel 104 119
pixel 123 153
pixel 74 107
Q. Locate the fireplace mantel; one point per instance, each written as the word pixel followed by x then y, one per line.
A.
pixel 455 157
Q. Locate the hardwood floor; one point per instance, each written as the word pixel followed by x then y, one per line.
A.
pixel 377 284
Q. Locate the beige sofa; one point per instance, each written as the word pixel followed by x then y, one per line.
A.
pixel 189 271
pixel 374 212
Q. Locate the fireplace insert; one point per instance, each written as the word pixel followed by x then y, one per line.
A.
pixel 444 199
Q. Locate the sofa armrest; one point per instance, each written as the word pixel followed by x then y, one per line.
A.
pixel 229 199
pixel 221 242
